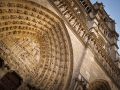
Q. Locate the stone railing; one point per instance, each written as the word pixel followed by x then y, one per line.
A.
pixel 76 19
pixel 73 14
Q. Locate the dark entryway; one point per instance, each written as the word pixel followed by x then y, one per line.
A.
pixel 10 81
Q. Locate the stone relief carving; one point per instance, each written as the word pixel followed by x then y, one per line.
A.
pixel 34 42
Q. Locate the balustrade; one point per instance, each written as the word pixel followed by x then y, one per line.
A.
pixel 78 25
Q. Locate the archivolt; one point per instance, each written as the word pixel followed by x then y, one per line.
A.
pixel 27 27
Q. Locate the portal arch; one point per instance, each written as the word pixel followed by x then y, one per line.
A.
pixel 34 42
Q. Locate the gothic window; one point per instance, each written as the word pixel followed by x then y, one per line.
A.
pixel 10 81
pixel 105 19
pixel 83 3
pixel 88 9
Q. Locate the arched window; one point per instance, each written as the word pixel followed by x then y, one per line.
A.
pixel 88 9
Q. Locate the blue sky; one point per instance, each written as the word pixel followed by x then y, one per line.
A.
pixel 112 7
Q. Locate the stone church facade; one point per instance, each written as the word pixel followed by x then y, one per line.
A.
pixel 57 45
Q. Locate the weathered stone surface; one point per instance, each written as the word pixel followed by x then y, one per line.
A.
pixel 55 45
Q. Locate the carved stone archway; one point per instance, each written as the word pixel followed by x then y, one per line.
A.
pixel 99 85
pixel 35 43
